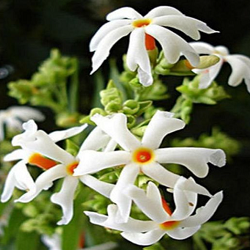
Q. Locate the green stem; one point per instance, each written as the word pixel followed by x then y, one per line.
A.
pixel 74 87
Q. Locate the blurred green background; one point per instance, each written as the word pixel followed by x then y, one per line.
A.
pixel 30 29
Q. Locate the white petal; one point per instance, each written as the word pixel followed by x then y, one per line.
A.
pixel 43 144
pixel 123 202
pixel 104 30
pixel 18 177
pixel 202 48
pixel 208 75
pixel 160 174
pixel 182 233
pixel 137 56
pixel 65 199
pixel 188 25
pixel 64 134
pixel 145 78
pixel 124 12
pixel 192 186
pixel 44 181
pixel 195 159
pixel 111 146
pixel 161 124
pixel 116 127
pixel 93 161
pixel 150 203
pixel 221 50
pixel 99 186
pixel 137 53
pixel 96 140
pixel 240 69
pixel 109 221
pixel 203 214
pixel 105 45
pixel 172 45
pixel 53 242
pixel 16 155
pixel 30 128
pixel 144 239
pixel 185 201
pixel 163 11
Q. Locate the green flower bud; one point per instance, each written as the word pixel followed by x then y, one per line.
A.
pixel 238 225
pixel 139 131
pixel 207 61
pixel 130 107
pixel 131 121
pixel 97 111
pixel 113 107
pixel 190 90
pixel 22 90
pixel 135 83
pixel 109 95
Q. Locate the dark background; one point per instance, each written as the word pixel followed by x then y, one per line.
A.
pixel 30 29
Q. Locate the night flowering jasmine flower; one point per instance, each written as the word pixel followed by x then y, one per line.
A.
pixel 14 116
pixel 144 30
pixel 145 156
pixel 40 149
pixel 19 176
pixel 240 65
pixel 179 224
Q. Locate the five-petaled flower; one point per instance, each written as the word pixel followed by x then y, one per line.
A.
pixel 240 65
pixel 144 156
pixel 144 30
pixel 179 224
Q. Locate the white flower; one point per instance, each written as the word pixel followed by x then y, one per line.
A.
pixel 14 116
pixel 240 65
pixel 144 156
pixel 179 224
pixel 143 31
pixel 19 176
pixel 39 148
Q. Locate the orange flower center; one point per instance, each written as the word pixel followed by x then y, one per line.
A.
pixel 143 155
pixel 149 40
pixel 41 161
pixel 141 23
pixel 70 168
pixel 167 225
